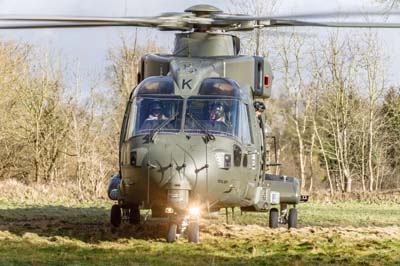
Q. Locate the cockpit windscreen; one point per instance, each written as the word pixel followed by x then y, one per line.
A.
pixel 216 116
pixel 157 113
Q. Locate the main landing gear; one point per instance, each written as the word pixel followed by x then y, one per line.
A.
pixel 116 216
pixel 132 215
pixel 284 218
pixel 273 218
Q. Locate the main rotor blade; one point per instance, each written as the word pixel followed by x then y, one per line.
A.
pixel 59 25
pixel 299 23
pixel 166 21
pixel 137 21
pixel 328 14
pixel 333 14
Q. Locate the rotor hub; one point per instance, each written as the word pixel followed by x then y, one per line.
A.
pixel 203 10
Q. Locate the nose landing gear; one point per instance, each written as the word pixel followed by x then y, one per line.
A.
pixel 187 225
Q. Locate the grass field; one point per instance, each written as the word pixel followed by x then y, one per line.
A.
pixel 350 233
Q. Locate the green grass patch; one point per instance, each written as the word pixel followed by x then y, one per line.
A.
pixel 348 233
pixel 352 213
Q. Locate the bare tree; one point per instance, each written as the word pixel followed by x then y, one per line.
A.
pixel 373 64
pixel 297 96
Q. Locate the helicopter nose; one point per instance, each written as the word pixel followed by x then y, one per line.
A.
pixel 165 170
pixel 161 163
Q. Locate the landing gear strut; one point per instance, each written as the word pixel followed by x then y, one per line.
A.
pixel 134 215
pixel 283 214
pixel 127 214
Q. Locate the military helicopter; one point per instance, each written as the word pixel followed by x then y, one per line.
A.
pixel 193 138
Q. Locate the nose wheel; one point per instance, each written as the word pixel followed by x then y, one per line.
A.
pixel 191 230
pixel 172 233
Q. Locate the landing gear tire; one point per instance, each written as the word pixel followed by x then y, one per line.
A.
pixel 171 236
pixel 115 217
pixel 273 218
pixel 134 215
pixel 193 232
pixel 292 221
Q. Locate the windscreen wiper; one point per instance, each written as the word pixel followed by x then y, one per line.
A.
pixel 155 131
pixel 208 136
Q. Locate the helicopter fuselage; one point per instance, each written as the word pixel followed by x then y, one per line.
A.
pixel 190 135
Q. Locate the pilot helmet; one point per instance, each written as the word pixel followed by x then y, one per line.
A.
pixel 155 106
pixel 217 111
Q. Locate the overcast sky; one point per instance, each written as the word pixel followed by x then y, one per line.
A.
pixel 90 46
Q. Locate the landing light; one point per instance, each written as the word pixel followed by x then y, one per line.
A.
pixel 194 211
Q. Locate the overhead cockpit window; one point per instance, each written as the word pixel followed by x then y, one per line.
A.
pixel 155 85
pixel 220 86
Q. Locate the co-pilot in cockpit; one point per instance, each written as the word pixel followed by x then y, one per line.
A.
pixel 218 113
pixel 214 114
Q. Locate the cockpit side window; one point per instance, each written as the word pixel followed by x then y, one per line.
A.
pixel 245 132
pixel 220 86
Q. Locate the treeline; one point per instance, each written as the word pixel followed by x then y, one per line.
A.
pixel 337 118
pixel 50 133
pixel 334 111
pixel 54 133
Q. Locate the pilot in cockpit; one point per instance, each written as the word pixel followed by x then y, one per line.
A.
pixel 156 112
